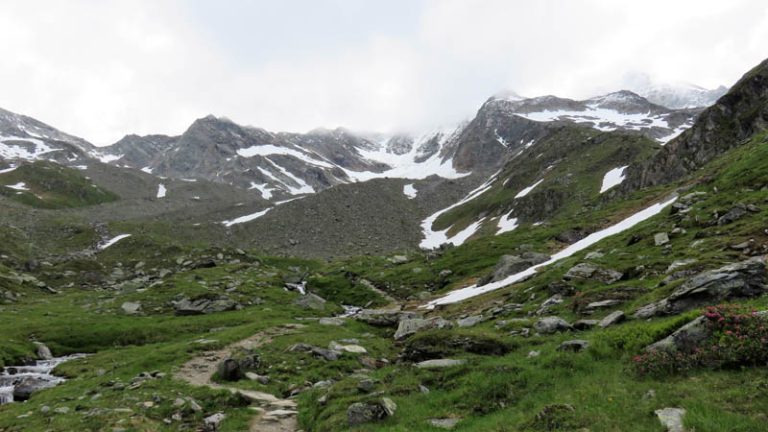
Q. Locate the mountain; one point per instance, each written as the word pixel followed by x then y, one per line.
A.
pixel 674 96
pixel 24 138
pixel 736 116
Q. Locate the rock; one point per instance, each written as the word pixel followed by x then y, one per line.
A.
pixel 575 345
pixel 262 379
pixel 385 317
pixel 229 370
pixel 360 413
pixel 470 321
pixel 612 318
pixel 533 354
pixel 389 406
pixel 685 339
pixel 591 271
pixel 131 308
pixel 671 418
pixel 61 410
pixel 408 327
pixel 24 389
pixel 602 304
pixel 331 321
pixel 594 255
pixel 585 324
pixel 202 306
pixel 351 348
pixel 366 385
pixel 444 273
pixel 732 215
pixel 660 239
pixel 571 236
pixel 326 354
pixel 43 353
pixel 213 423
pixel 398 259
pixel 680 263
pixel 745 279
pixel 310 301
pixel 552 324
pixel 561 288
pixel 444 423
pixel 439 363
pixel 512 264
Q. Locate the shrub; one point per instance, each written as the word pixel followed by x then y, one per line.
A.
pixel 737 336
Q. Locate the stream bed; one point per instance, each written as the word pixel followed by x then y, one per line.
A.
pixel 18 382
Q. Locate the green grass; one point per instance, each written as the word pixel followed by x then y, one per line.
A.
pixel 52 186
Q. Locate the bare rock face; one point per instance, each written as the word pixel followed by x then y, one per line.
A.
pixel 744 279
pixel 591 271
pixel 512 264
pixel 738 115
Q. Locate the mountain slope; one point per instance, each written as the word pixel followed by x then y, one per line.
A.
pixel 736 116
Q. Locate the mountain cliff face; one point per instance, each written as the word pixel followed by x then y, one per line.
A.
pixel 24 138
pixel 736 116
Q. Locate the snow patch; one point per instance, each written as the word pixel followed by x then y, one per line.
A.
pixel 506 223
pixel 269 150
pixel 20 186
pixel 246 218
pixel 113 240
pixel 147 170
pixel 107 158
pixel 410 191
pixel 528 190
pixel 474 290
pixel 161 190
pixel 613 178
pixel 266 191
pixel 7 170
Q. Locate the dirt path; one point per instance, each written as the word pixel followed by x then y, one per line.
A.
pixel 272 413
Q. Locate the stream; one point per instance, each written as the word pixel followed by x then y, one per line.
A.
pixel 20 381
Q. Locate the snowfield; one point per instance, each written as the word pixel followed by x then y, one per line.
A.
pixel 506 223
pixel 410 191
pixel 113 240
pixel 613 178
pixel 475 290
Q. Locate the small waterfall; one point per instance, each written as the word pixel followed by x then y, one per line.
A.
pixel 39 371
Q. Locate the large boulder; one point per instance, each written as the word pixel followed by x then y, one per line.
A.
pixel 43 352
pixel 685 339
pixel 204 305
pixel 744 279
pixel 408 327
pixel 592 272
pixel 310 301
pixel 552 324
pixel 385 317
pixel 512 264
pixel 229 370
pixel 24 389
pixel 360 413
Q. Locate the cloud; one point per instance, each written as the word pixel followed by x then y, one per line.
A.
pixel 102 69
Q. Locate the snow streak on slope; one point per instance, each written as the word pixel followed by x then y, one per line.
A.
pixel 602 119
pixel 410 191
pixel 506 223
pixel 528 190
pixel 113 240
pixel 269 149
pixel 246 218
pixel 433 239
pixel 161 190
pixel 474 290
pixel 20 186
pixel 613 178
pixel 7 170
pixel 12 147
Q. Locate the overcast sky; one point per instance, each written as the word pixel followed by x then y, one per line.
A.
pixel 101 69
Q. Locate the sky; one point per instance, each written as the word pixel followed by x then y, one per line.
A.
pixel 101 69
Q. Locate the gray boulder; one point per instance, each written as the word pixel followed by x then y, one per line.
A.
pixel 202 306
pixel 512 264
pixel 470 321
pixel 744 279
pixel 213 422
pixel 131 308
pixel 612 318
pixel 385 317
pixel 552 324
pixel 24 389
pixel 310 301
pixel 575 345
pixel 593 272
pixel 439 363
pixel 360 413
pixel 660 239
pixel 229 370
pixel 408 327
pixel 685 339
pixel 43 352
pixel 671 418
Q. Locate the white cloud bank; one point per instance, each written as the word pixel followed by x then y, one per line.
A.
pixel 102 69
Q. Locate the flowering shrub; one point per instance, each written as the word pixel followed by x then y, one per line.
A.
pixel 737 336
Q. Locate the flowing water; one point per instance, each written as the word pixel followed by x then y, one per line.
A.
pixel 40 372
